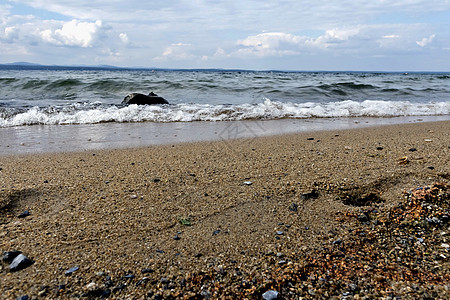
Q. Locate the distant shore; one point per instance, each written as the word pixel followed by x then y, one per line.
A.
pixel 311 214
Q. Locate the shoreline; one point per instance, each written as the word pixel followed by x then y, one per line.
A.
pixel 311 214
pixel 74 138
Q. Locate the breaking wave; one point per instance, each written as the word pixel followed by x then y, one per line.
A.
pixel 91 113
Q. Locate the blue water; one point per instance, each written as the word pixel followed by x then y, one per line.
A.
pixel 51 95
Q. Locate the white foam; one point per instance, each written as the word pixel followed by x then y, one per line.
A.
pixel 91 114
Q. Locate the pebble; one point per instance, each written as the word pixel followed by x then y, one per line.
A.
pixel 144 271
pixel 216 232
pixel 176 237
pixel 91 286
pixel 20 262
pixel 270 295
pixel 8 256
pixel 280 232
pixel 293 207
pixel 142 281
pixel 248 182
pixel 311 195
pixel 380 148
pixel 71 270
pixel 412 149
pixel 23 297
pixel 24 214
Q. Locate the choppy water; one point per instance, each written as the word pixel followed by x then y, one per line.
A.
pixel 80 96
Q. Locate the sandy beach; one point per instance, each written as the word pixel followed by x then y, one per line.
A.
pixel 313 214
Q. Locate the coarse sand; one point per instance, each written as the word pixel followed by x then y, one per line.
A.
pixel 147 222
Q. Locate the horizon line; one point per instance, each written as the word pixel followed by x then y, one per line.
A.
pixel 30 65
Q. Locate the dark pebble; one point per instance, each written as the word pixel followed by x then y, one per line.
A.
pixel 160 251
pixel 106 293
pixel 337 242
pixel 20 262
pixel 129 276
pixel 119 288
pixel 311 195
pixel 8 256
pixel 145 271
pixel 363 218
pixel 380 148
pixel 431 167
pixel 24 214
pixel 412 149
pixel 141 281
pixel 165 280
pixel 45 181
pixel 216 232
pixel 310 139
pixel 23 297
pixel 177 237
pixel 198 255
pixel 70 271
pixel 156 180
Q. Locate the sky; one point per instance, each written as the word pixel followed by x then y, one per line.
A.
pixel 333 35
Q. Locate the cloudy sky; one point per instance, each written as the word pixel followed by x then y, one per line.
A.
pixel 385 35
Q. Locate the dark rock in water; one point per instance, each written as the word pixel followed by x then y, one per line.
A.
pixel 141 99
pixel 8 256
pixel 20 262
pixel 23 297
pixel 270 295
pixel 24 214
pixel 71 270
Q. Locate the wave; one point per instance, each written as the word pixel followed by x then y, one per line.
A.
pixel 91 113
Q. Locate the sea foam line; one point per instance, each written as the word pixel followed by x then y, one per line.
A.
pixel 205 112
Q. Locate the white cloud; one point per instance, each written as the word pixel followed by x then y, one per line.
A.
pixel 426 41
pixel 73 33
pixel 270 44
pixel 178 51
pixel 124 38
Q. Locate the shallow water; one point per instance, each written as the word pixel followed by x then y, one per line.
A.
pixel 87 137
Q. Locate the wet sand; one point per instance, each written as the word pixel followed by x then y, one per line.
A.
pixel 210 219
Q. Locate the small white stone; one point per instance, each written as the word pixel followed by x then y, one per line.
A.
pixel 91 286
